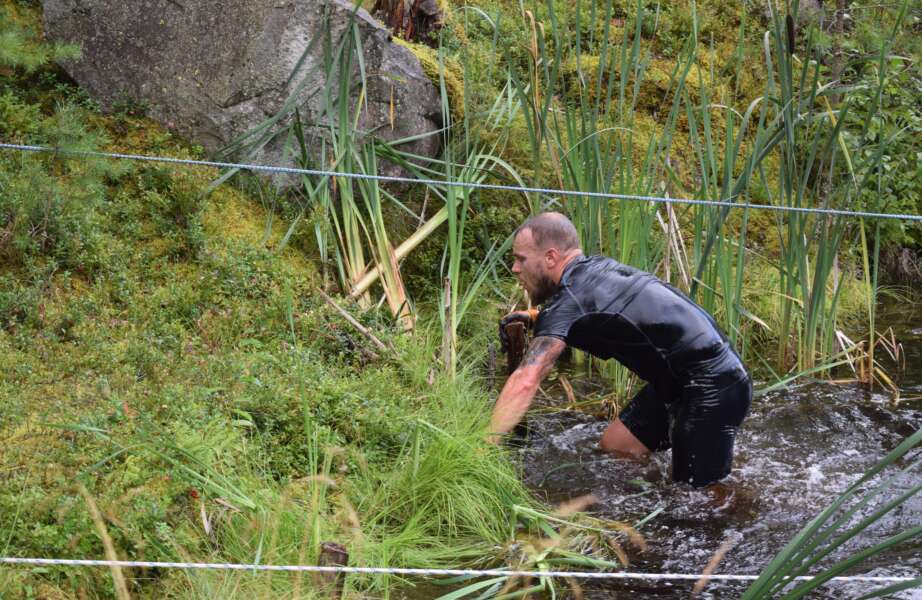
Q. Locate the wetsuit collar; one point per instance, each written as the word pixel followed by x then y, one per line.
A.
pixel 569 266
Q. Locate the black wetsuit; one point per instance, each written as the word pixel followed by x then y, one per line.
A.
pixel 698 392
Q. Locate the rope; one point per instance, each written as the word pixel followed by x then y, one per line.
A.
pixel 464 184
pixel 401 571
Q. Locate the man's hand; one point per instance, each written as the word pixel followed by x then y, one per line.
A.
pixel 528 317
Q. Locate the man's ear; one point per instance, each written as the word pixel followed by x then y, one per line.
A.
pixel 552 256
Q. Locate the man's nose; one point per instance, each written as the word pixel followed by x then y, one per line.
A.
pixel 515 268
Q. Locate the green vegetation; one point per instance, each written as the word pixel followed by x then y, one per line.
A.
pixel 602 109
pixel 164 344
pixel 166 349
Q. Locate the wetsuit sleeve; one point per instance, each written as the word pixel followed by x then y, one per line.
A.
pixel 557 317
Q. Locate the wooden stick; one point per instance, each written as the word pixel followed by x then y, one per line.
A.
pixel 515 332
pixel 358 326
pixel 333 554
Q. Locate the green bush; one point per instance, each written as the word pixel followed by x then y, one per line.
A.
pixel 898 127
pixel 20 48
pixel 17 302
pixel 176 209
pixel 50 206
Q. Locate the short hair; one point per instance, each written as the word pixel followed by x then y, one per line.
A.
pixel 551 230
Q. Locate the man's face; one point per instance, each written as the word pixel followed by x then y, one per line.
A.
pixel 531 267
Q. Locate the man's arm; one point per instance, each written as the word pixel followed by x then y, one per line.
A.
pixel 521 386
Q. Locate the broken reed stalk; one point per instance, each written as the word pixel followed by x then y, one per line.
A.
pixel 515 333
pixel 725 547
pixel 401 251
pixel 568 389
pixel 118 579
pixel 351 320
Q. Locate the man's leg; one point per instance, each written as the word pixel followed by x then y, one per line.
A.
pixel 618 439
pixel 642 427
pixel 704 431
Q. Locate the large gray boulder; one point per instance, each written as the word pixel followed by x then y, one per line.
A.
pixel 215 69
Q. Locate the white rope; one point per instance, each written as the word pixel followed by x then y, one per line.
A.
pixel 443 572
pixel 465 184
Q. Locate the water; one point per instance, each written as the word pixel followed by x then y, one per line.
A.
pixel 797 451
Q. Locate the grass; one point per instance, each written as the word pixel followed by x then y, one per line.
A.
pixel 254 417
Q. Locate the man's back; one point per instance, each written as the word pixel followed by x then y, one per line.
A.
pixel 612 310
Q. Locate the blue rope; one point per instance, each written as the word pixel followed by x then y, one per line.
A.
pixel 463 184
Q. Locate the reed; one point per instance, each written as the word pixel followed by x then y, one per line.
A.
pixel 816 168
pixel 586 132
pixel 468 158
pixel 347 214
pixel 584 125
pixel 579 96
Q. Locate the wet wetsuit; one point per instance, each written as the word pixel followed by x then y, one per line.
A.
pixel 698 391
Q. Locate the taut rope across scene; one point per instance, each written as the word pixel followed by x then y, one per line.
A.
pixel 464 184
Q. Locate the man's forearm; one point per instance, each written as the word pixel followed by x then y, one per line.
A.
pixel 513 403
pixel 521 386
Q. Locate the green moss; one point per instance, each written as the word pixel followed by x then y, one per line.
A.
pixel 449 69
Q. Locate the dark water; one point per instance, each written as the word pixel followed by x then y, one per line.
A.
pixel 797 451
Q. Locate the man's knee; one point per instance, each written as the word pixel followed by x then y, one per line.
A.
pixel 618 439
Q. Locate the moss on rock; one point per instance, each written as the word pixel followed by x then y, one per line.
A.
pixel 434 70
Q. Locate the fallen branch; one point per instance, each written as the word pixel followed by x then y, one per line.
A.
pixel 351 320
pixel 333 555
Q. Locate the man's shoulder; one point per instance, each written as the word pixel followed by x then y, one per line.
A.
pixel 591 268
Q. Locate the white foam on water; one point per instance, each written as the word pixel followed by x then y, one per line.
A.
pixel 797 451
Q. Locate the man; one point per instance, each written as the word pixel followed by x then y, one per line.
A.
pixel 697 392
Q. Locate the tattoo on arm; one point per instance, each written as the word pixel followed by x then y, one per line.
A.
pixel 543 350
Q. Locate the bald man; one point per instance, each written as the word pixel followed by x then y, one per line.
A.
pixel 698 391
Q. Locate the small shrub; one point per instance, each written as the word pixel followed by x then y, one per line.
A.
pixel 53 208
pixel 17 302
pixel 126 106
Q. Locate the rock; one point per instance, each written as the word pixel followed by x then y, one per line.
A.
pixel 215 69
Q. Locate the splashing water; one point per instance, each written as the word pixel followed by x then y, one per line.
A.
pixel 797 451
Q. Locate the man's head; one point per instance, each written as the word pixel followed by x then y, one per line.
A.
pixel 543 246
